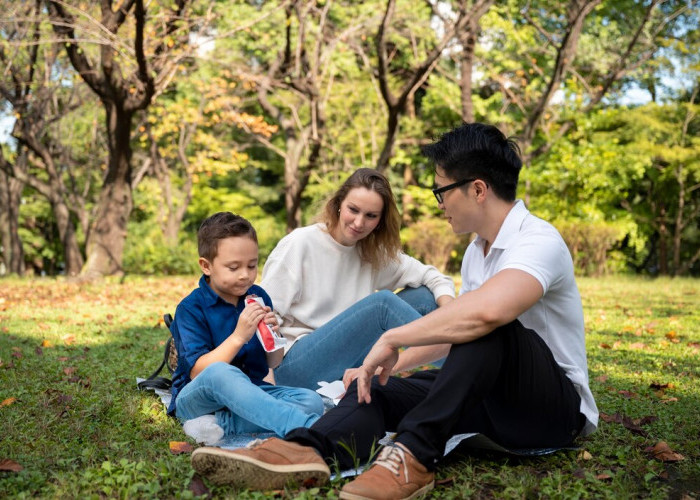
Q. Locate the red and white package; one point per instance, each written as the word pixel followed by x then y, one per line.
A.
pixel 270 339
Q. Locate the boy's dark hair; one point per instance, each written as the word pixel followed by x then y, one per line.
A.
pixel 477 150
pixel 219 226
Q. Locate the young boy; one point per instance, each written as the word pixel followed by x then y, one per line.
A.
pixel 221 363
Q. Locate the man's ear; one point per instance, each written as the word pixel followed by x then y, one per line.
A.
pixel 205 266
pixel 479 187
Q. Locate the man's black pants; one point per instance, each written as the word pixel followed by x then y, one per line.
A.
pixel 505 385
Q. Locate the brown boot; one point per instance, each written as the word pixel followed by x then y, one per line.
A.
pixel 395 475
pixel 262 465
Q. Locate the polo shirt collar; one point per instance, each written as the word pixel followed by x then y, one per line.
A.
pixel 209 296
pixel 510 227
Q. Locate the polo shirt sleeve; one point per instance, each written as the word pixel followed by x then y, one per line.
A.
pixel 195 340
pixel 542 254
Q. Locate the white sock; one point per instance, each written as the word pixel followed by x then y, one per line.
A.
pixel 204 429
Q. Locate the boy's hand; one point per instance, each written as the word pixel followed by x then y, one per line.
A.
pixel 248 322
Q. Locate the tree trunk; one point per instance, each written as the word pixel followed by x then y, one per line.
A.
pixel 13 252
pixel 392 130
pixel 406 198
pixel 66 230
pixel 292 181
pixel 466 65
pixel 663 242
pixel 105 242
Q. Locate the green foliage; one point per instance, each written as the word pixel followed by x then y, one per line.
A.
pixel 147 252
pixel 623 170
pixel 208 200
pixel 592 246
pixel 432 241
pixel 42 249
pixel 632 169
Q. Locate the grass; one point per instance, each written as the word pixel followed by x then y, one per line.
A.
pixel 73 420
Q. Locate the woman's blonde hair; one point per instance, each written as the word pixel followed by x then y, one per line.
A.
pixel 384 243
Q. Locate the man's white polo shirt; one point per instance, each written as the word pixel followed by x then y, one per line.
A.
pixel 532 245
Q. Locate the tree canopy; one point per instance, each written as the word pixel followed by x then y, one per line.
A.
pixel 129 122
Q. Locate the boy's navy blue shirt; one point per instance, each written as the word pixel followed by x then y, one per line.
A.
pixel 203 320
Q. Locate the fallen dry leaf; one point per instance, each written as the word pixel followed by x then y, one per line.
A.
pixel 177 447
pixel 10 465
pixel 632 424
pixel 662 451
pixel 584 455
pixel 603 477
pixel 615 417
pixel 45 343
pixel 197 486
pixel 68 339
pixel 628 394
pixel 7 402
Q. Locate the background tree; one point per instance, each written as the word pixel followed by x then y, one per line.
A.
pixel 125 79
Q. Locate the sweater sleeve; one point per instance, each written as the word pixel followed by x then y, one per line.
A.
pixel 410 272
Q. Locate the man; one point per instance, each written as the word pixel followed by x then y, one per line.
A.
pixel 515 369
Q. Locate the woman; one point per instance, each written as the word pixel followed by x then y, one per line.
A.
pixel 323 281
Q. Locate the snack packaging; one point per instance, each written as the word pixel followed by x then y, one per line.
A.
pixel 270 339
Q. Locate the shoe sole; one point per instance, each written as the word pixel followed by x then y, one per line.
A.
pixel 242 471
pixel 416 494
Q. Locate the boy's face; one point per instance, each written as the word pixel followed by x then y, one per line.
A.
pixel 234 269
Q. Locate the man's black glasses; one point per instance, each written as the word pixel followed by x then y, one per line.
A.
pixel 438 191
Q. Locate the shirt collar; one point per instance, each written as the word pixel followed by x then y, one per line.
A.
pixel 509 228
pixel 210 297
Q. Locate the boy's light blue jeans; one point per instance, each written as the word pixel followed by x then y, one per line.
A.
pixel 241 407
pixel 345 340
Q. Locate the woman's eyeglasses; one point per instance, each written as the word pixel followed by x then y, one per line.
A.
pixel 438 191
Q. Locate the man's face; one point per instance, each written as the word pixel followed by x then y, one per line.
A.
pixel 456 203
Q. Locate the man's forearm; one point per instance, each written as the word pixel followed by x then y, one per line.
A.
pixel 417 356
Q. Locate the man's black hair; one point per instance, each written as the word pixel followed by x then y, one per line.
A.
pixel 477 150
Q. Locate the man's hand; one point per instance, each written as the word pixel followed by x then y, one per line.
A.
pixel 350 375
pixel 380 359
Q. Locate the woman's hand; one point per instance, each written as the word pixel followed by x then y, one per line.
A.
pixel 271 319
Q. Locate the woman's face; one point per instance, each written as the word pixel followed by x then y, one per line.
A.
pixel 360 213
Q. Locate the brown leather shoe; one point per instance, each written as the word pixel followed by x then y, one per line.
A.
pixel 395 475
pixel 262 465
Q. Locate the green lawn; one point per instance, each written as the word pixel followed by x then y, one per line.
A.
pixel 74 422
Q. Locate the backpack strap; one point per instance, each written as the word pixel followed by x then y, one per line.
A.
pixel 154 381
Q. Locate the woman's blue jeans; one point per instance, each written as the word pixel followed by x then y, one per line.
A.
pixel 241 407
pixel 345 340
